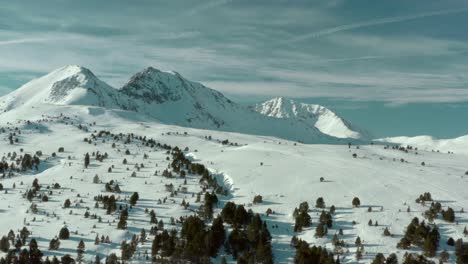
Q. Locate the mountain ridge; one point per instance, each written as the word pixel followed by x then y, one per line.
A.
pixel 165 96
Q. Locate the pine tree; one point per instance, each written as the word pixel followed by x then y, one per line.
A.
pixel 122 224
pixel 321 230
pixel 320 203
pixel 134 198
pixel 386 232
pixel 392 259
pixel 4 244
pixel 358 242
pixel 80 251
pixel 356 202
pixel 379 259
pixel 358 254
pixel 64 233
pixel 35 254
pixel 218 235
pixel 444 257
pixel 86 160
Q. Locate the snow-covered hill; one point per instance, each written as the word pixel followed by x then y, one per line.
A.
pixel 428 143
pixel 311 115
pixel 283 172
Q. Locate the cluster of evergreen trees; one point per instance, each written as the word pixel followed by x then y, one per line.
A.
pixel 325 222
pixel 248 242
pixel 461 251
pixel 436 208
pixel 180 164
pixel 425 197
pixel 108 202
pixel 302 217
pixel 316 255
pixel 422 235
pixel 250 239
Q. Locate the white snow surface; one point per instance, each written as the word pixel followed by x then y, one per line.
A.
pixel 284 172
pixel 429 143
pixel 289 175
pixel 312 115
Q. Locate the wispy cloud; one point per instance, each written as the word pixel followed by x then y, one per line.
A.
pixel 373 22
pixel 238 47
pixel 22 41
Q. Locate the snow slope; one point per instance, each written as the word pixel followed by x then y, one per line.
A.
pixel 312 115
pixel 459 145
pixel 289 175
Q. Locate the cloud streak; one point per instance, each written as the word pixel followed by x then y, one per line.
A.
pixel 22 41
pixel 374 22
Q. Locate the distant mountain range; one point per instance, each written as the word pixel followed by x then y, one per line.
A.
pixel 172 99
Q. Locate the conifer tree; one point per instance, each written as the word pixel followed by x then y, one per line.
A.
pixel 80 251
pixel 86 160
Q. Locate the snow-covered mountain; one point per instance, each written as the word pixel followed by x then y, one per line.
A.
pixel 69 85
pixel 311 115
pixel 171 99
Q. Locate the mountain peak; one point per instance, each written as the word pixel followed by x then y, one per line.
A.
pixel 71 84
pixel 70 70
pixel 314 115
pixel 154 85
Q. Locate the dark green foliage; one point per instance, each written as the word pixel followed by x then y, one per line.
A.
pixel 80 251
pixel 448 215
pixel 206 209
pixel 386 232
pixel 134 198
pixel 356 202
pixel 425 197
pixel 421 235
pixel 461 251
pixel 392 259
pixel 314 255
pixel 64 233
pixel 321 230
pixel 326 218
pixel 379 259
pixel 4 244
pixel 302 217
pixel 67 259
pixel 444 257
pixel 54 244
pixel 320 203
pixel 414 258
pixel 122 224
pixel 86 160
pixel 249 239
pixel 450 242
pixel 257 199
pixel 26 162
pixel 332 209
pixel 35 254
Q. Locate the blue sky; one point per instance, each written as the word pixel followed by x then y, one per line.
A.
pixel 397 54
